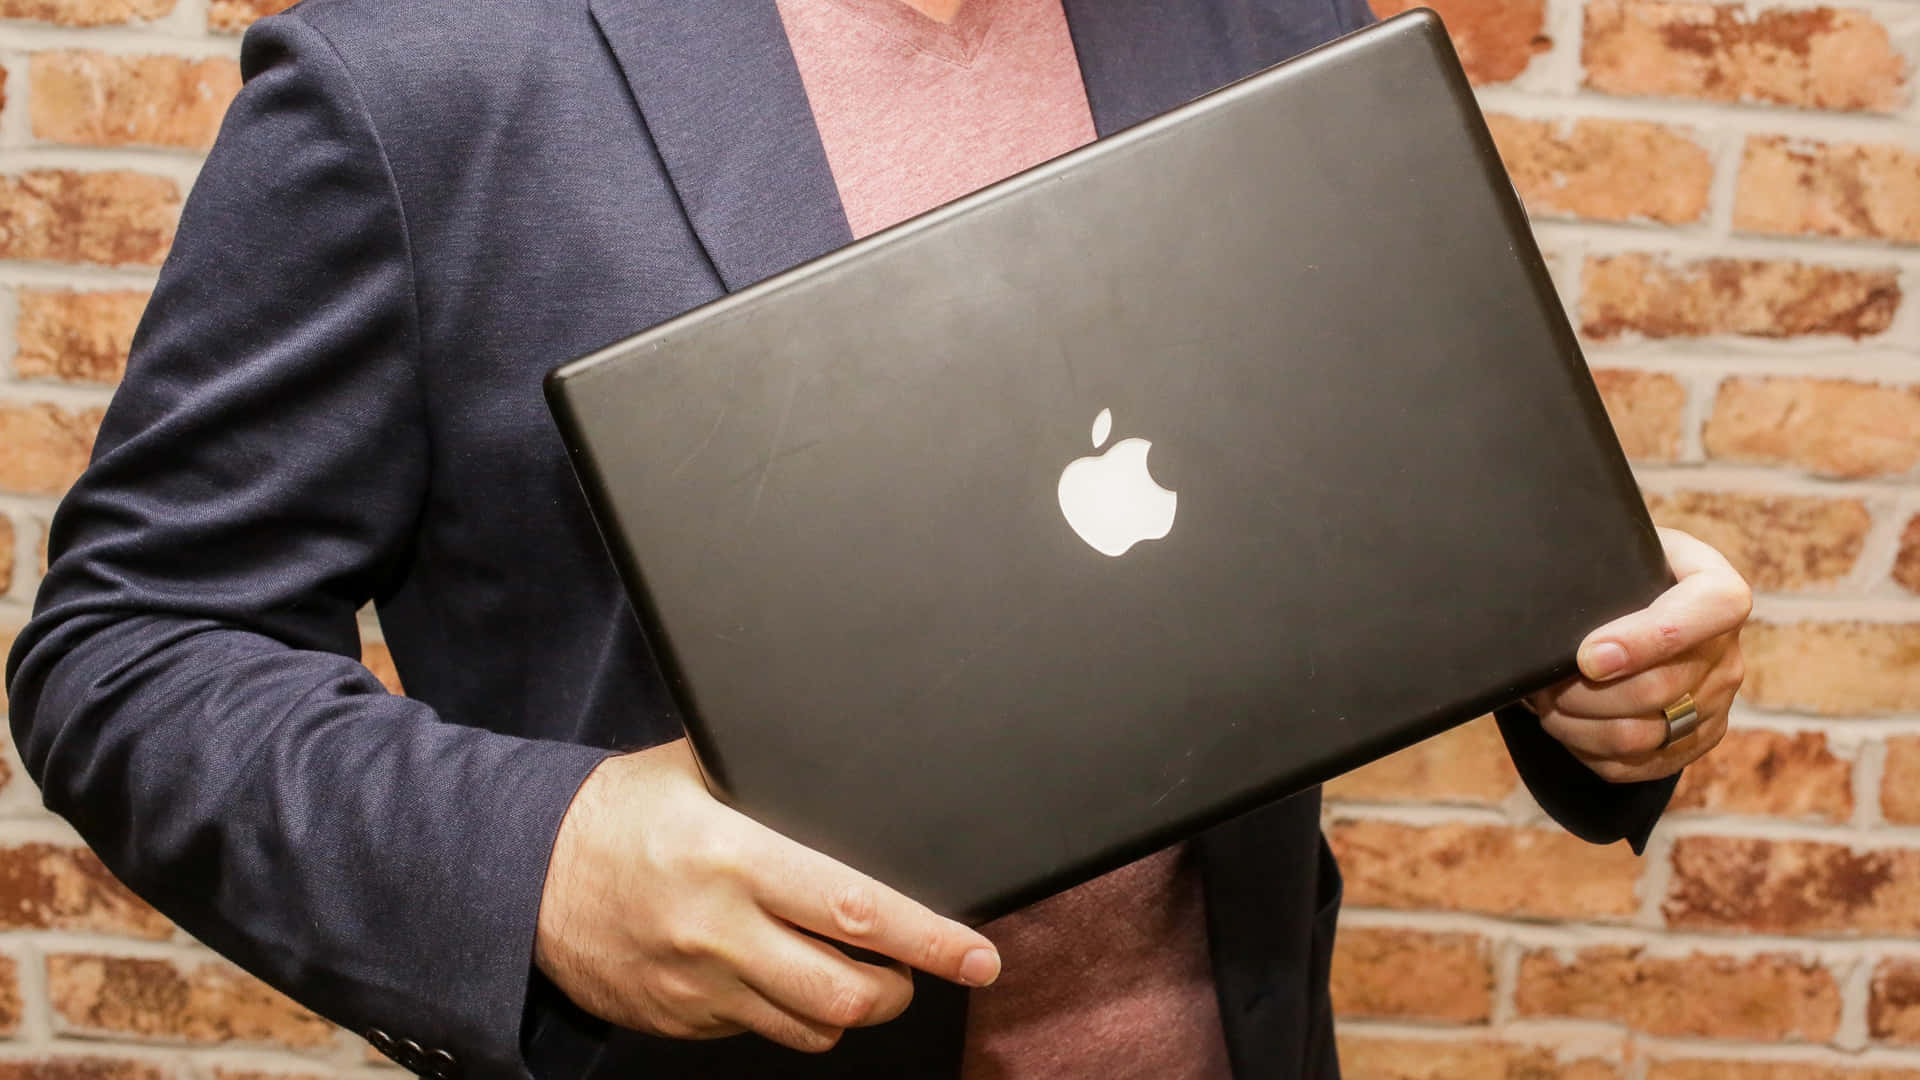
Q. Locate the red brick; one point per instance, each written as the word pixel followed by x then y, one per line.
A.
pixel 1639 294
pixel 1832 427
pixel 1605 170
pixel 1833 668
pixel 6 553
pixel 1370 975
pixel 1792 887
pixel 1762 998
pixel 1772 773
pixel 111 218
pixel 1496 39
pixel 205 1003
pixel 1821 58
pixel 1538 873
pixel 78 337
pixel 1369 1057
pixel 11 1006
pixel 1893 1002
pixel 48 887
pixel 83 1068
pixel 1906 565
pixel 94 99
pixel 1648 410
pixel 1728 1069
pixel 85 12
pixel 1857 191
pixel 1777 542
pixel 1468 764
pixel 233 16
pixel 44 448
pixel 1900 782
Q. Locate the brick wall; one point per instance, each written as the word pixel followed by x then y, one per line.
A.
pixel 1730 195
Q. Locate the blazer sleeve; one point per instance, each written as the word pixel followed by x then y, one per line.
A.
pixel 188 693
pixel 1575 796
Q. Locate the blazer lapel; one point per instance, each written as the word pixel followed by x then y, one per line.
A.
pixel 717 85
pixel 721 96
pixel 1140 58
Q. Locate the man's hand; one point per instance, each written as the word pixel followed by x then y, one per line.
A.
pixel 667 912
pixel 1686 642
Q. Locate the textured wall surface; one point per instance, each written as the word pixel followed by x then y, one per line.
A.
pixel 1730 195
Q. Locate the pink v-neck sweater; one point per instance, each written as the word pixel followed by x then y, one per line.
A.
pixel 1110 980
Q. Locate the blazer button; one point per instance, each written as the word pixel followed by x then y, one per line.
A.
pixel 381 1041
pixel 411 1057
pixel 442 1065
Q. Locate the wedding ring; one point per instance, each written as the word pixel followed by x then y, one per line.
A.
pixel 1683 718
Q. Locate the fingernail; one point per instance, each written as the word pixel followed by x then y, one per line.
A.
pixel 980 967
pixel 1604 660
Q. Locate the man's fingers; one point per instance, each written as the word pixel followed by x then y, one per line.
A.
pixel 1626 739
pixel 769 1021
pixel 815 981
pixel 1659 765
pixel 1689 555
pixel 1710 600
pixel 816 893
pixel 1639 695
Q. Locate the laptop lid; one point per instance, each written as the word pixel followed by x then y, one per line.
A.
pixel 1163 480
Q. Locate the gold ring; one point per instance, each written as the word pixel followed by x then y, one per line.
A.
pixel 1683 719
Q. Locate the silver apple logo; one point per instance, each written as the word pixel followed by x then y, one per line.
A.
pixel 1110 499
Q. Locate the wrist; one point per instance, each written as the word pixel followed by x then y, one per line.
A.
pixel 567 878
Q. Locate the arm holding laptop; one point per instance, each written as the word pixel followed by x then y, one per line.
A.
pixel 1598 752
pixel 690 928
pixel 1685 645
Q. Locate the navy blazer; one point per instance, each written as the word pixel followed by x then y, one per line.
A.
pixel 414 210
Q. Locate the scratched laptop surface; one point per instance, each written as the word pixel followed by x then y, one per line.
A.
pixel 1164 480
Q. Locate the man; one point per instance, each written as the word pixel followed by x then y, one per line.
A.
pixel 415 209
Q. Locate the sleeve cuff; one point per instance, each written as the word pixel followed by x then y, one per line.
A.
pixel 1575 796
pixel 534 1029
pixel 559 1039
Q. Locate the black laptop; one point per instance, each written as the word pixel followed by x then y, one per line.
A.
pixel 1158 482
